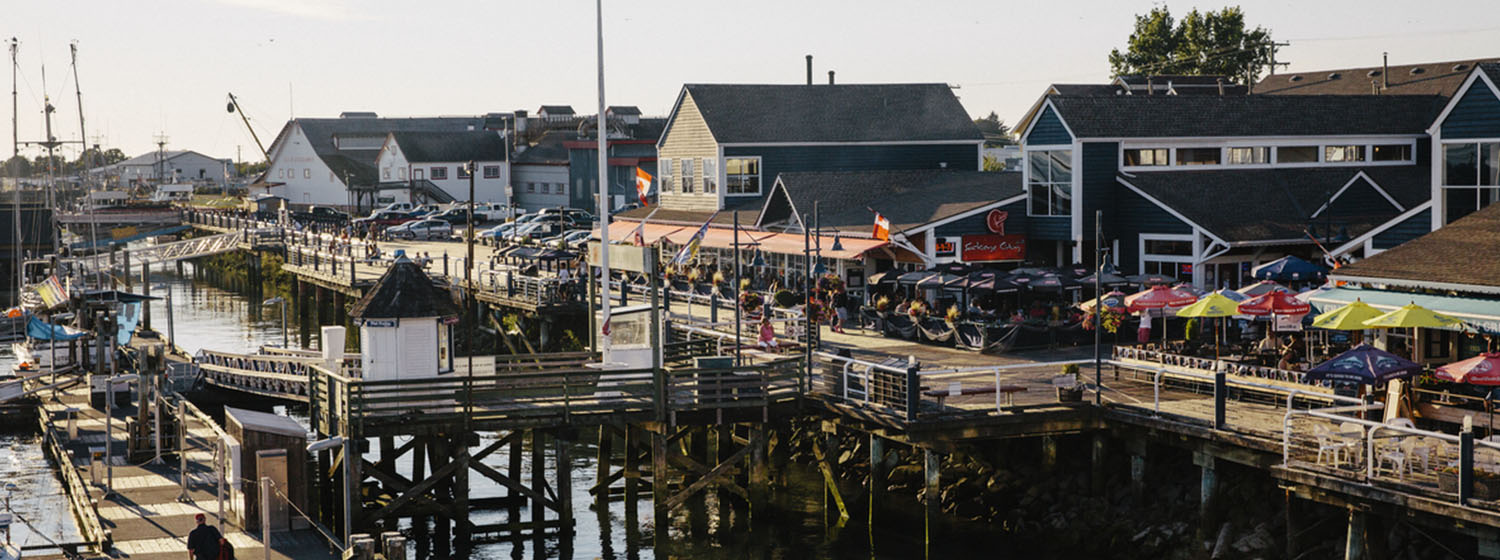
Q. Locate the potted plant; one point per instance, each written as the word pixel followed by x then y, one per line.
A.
pixel 1486 484
pixel 718 277
pixel 751 301
pixel 883 304
pixel 1068 387
pixel 785 298
pixel 953 315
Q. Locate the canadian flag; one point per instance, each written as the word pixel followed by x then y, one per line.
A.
pixel 642 185
pixel 882 228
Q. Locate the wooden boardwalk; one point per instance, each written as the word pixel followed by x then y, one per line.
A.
pixel 144 519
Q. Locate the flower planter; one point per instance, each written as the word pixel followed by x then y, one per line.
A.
pixel 1065 394
pixel 1485 488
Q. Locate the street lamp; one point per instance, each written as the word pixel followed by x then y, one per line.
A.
pixel 349 484
pixel 272 301
pixel 109 426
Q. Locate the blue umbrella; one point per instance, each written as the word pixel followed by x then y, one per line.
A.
pixel 1289 269
pixel 1364 364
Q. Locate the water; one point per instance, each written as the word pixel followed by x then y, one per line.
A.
pixel 207 317
pixel 39 496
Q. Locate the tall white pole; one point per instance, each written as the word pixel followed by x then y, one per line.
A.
pixel 600 130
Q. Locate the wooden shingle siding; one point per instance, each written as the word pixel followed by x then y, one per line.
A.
pixel 1409 229
pixel 689 137
pixel 1054 228
pixel 1477 115
pixel 1359 200
pixel 1132 216
pixel 1100 162
pixel 786 159
pixel 1048 130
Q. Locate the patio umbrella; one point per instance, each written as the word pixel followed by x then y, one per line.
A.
pixel 1113 300
pixel 1150 279
pixel 937 280
pixel 1274 303
pixel 1159 297
pixel 1189 288
pixel 913 277
pixel 952 268
pixel 1483 369
pixel 1052 282
pixel 887 277
pixel 1364 364
pixel 1289 269
pixel 1232 295
pixel 1261 288
pixel 1106 279
pixel 1350 317
pixel 1411 316
pixel 1210 306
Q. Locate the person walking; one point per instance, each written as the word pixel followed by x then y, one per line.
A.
pixel 203 542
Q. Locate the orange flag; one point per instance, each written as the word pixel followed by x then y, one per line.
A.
pixel 882 228
pixel 642 185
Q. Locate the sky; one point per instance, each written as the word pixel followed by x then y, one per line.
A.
pixel 163 67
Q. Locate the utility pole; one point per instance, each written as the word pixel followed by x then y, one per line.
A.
pixel 1273 64
pixel 161 158
pixel 604 339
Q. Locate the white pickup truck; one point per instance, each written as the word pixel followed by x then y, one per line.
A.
pixel 491 212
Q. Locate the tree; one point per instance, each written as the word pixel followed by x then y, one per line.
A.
pixel 1202 44
pixel 993 164
pixel 994 129
pixel 18 166
pixel 246 169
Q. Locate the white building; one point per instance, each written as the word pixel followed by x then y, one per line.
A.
pixel 405 326
pixel 172 166
pixel 438 158
pixel 314 161
pixel 540 172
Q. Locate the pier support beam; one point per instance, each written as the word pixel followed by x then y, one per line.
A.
pixel 1354 538
pixel 760 476
pixel 879 477
pixel 564 486
pixel 1049 453
pixel 1098 459
pixel 932 498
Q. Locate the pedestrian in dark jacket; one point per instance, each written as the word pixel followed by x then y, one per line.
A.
pixel 203 542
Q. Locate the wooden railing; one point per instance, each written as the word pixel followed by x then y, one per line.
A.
pixel 84 510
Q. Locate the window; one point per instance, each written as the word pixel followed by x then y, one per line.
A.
pixel 1146 156
pixel 1169 247
pixel 1342 154
pixel 1392 152
pixel 401 172
pixel 385 173
pixel 561 188
pixel 306 173
pixel 1471 164
pixel 439 173
pixel 664 169
pixel 742 176
pixel 1050 184
pixel 710 175
pixel 688 181
pixel 531 187
pixel 463 172
pixel 546 188
pixel 1197 156
pixel 491 172
pixel 1297 154
pixel 1249 156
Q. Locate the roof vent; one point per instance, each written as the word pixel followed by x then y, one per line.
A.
pixel 1372 73
pixel 1460 67
pixel 1296 78
pixel 1418 70
pixel 1333 76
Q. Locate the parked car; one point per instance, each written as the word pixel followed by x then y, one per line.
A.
pixel 497 232
pixel 321 214
pixel 527 232
pixel 426 210
pixel 394 207
pixel 571 239
pixel 383 218
pixel 454 216
pixel 422 229
pixel 576 217
pixel 492 212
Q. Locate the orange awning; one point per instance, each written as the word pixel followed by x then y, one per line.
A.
pixel 623 231
pixel 723 238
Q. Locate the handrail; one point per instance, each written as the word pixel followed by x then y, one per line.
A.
pixel 83 507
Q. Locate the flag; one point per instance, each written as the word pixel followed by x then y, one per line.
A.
pixel 882 228
pixel 689 250
pixel 637 235
pixel 642 185
pixel 51 291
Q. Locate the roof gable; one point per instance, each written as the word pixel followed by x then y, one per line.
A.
pixel 1475 111
pixel 1049 129
pixel 1428 78
pixel 845 113
pixel 1445 256
pixel 1198 116
pixel 404 291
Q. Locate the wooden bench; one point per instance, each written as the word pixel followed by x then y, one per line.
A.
pixel 942 394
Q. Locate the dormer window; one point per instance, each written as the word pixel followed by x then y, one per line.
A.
pixel 1343 154
pixel 1145 157
pixel 1197 156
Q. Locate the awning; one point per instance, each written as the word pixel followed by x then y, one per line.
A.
pixel 624 231
pixel 1480 313
pixel 723 238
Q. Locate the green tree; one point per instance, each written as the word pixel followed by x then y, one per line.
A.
pixel 18 166
pixel 247 169
pixel 1202 44
pixel 992 163
pixel 994 129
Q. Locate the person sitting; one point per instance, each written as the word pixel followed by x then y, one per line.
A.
pixel 767 338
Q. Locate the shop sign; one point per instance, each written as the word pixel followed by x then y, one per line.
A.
pixel 991 247
pixel 996 221
pixel 946 246
pixel 380 323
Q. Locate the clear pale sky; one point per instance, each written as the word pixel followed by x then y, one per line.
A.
pixel 163 66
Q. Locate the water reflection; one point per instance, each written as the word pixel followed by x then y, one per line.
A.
pixel 39 495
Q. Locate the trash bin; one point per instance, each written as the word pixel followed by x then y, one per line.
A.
pixel 96 465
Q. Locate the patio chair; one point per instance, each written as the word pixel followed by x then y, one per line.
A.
pixel 1352 436
pixel 1328 443
pixel 1401 423
pixel 1398 456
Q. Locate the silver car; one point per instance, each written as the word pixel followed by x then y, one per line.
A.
pixel 422 229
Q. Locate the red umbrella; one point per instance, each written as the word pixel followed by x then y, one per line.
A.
pixel 1483 369
pixel 1159 297
pixel 1275 303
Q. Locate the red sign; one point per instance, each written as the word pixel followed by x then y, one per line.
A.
pixel 996 221
pixel 990 247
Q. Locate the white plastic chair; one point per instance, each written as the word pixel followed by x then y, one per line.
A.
pixel 1352 436
pixel 1398 456
pixel 1328 443
pixel 1401 423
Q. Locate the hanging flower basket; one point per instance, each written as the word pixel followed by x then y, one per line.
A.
pixel 751 301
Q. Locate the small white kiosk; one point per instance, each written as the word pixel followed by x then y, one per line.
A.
pixel 405 326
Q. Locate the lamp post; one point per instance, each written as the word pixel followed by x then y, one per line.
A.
pixel 1098 306
pixel 349 484
pixel 109 427
pixel 273 301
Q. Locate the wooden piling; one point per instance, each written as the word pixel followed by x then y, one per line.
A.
pixel 931 497
pixel 564 485
pixel 879 475
pixel 603 466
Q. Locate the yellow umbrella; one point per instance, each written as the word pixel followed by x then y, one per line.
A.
pixel 1351 317
pixel 1211 305
pixel 1411 316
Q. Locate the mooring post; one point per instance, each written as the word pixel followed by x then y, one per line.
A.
pixel 1291 523
pixel 145 289
pixel 182 450
pixel 931 497
pixel 1096 464
pixel 879 476
pixel 913 392
pixel 1354 538
pixel 561 443
pixel 513 470
pixel 125 272
pixel 461 488
pixel 760 476
pixel 1466 461
pixel 1049 452
pixel 632 469
pixel 538 480
pixel 659 483
pixel 1207 493
pixel 602 466
pixel 1221 396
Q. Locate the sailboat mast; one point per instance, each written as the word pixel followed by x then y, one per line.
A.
pixel 85 163
pixel 15 142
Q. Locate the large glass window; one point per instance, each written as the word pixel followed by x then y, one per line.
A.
pixel 742 176
pixel 1469 164
pixel 1050 182
pixel 1343 154
pixel 1391 152
pixel 1197 156
pixel 1297 154
pixel 1146 156
pixel 1249 156
pixel 689 182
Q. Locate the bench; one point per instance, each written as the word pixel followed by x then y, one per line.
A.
pixel 956 389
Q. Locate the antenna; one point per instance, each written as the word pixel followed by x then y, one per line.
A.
pixel 161 156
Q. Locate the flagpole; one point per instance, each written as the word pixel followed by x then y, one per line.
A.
pixel 599 129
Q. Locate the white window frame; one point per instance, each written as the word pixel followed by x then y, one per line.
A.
pixel 1441 165
pixel 1229 152
pixel 760 185
pixel 710 175
pixel 1272 144
pixel 1072 183
pixel 1175 259
pixel 687 177
pixel 667 180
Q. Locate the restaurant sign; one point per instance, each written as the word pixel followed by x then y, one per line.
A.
pixel 993 247
pixel 946 246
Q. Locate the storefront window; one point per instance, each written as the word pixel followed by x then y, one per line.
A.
pixel 1050 182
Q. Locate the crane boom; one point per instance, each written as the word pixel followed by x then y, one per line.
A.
pixel 234 107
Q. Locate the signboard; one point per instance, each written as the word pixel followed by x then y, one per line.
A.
pixel 992 247
pixel 995 220
pixel 946 247
pixel 380 322
pixel 1288 323
pixel 624 257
